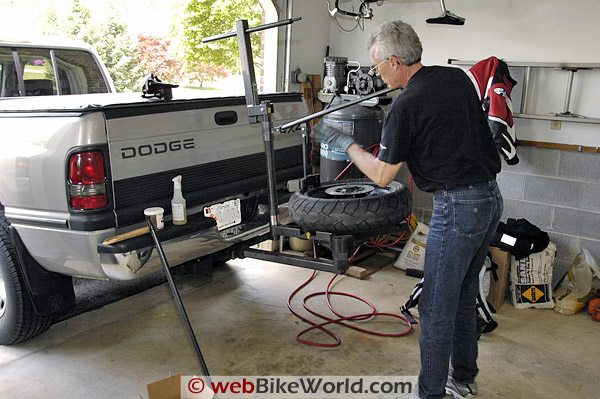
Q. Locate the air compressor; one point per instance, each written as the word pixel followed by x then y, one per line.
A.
pixel 364 124
pixel 345 81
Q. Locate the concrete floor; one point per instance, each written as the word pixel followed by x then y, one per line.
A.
pixel 244 328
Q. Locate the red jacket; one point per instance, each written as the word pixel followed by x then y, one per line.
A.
pixel 494 84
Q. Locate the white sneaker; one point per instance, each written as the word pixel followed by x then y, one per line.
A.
pixel 461 390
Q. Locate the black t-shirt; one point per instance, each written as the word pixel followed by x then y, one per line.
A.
pixel 438 127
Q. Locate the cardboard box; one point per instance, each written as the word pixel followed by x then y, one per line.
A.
pixel 497 295
pixel 166 388
pixel 179 386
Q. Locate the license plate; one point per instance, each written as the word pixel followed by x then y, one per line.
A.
pixel 226 213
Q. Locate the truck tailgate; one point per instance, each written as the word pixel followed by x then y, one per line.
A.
pixel 210 142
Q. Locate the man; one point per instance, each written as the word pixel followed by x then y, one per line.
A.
pixel 437 126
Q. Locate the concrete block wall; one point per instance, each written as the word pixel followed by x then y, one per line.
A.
pixel 558 191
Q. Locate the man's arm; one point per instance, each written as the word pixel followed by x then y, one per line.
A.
pixel 382 173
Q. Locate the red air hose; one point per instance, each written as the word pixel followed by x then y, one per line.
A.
pixel 342 320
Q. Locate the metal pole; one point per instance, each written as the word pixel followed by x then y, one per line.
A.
pixel 287 64
pixel 177 297
pixel 333 109
pixel 305 153
pixel 251 30
pixel 568 95
pixel 525 93
pixel 443 5
pixel 248 74
pixel 267 128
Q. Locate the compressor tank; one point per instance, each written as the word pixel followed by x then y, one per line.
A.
pixel 364 124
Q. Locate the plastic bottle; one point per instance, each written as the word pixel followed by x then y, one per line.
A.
pixel 178 209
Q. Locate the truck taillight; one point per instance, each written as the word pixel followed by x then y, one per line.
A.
pixel 87 180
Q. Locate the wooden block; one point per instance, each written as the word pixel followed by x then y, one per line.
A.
pixel 358 272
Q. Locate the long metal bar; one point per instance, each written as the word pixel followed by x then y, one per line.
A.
pixel 555 65
pixel 525 92
pixel 267 129
pixel 443 5
pixel 245 46
pixel 325 265
pixel 560 117
pixel 305 155
pixel 333 109
pixel 177 297
pixel 250 30
pixel 287 63
pixel 568 94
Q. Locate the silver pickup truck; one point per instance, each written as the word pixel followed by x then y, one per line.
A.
pixel 80 163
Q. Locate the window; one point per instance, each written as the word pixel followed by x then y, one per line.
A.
pixel 78 72
pixel 47 72
pixel 9 85
pixel 38 73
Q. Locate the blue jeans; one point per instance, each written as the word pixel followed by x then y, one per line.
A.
pixel 462 226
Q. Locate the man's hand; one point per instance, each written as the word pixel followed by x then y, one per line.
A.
pixel 328 134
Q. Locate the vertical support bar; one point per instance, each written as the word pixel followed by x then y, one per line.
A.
pixel 19 71
pixel 55 70
pixel 288 47
pixel 569 89
pixel 525 92
pixel 267 130
pixel 305 159
pixel 443 5
pixel 245 47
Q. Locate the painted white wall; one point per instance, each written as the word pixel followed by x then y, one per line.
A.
pixel 310 36
pixel 515 30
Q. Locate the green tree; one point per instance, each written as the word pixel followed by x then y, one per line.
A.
pixel 204 18
pixel 110 38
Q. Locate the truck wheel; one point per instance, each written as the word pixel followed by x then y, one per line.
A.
pixel 354 206
pixel 18 319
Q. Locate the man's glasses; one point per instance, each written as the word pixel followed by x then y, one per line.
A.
pixel 375 68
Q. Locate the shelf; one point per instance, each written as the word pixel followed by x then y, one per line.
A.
pixel 555 65
pixel 570 67
pixel 558 117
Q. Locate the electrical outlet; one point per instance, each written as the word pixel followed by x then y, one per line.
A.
pixel 296 74
pixel 555 125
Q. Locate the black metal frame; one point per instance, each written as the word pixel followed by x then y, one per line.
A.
pixel 260 112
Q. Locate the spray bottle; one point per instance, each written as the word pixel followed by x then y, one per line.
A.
pixel 178 209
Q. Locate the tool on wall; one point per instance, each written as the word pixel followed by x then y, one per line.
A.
pixel 447 17
pixel 364 10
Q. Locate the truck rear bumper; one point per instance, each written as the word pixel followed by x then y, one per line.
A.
pixel 124 259
pixel 83 254
pixel 199 238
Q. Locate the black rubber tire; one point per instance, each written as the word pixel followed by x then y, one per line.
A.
pixel 18 319
pixel 376 212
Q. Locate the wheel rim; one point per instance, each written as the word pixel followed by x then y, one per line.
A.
pixel 349 190
pixel 2 297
